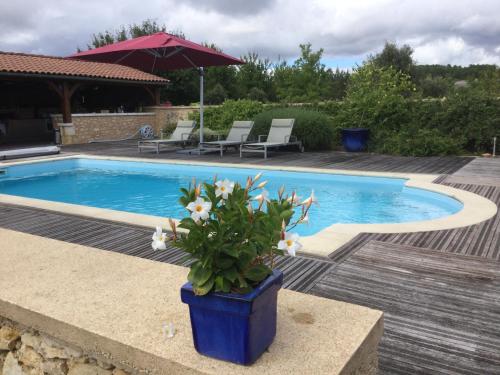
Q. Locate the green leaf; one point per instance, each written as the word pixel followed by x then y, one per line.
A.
pixel 201 290
pixel 258 272
pixel 231 274
pixel 199 274
pixel 287 214
pixel 222 284
pixel 224 262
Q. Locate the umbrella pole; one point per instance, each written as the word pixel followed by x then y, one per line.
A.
pixel 201 106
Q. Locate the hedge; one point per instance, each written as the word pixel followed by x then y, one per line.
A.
pixel 316 130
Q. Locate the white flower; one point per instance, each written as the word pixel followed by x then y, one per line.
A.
pixel 199 209
pixel 224 188
pixel 291 243
pixel 310 200
pixel 263 196
pixel 159 239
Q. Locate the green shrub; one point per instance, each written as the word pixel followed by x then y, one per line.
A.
pixel 315 129
pixel 221 118
pixel 216 95
pixel 472 116
pixel 378 99
pixel 208 135
pixel 418 142
pixel 257 94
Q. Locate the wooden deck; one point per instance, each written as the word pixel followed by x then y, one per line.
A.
pixel 300 273
pixel 440 290
pixel 333 160
pixel 441 310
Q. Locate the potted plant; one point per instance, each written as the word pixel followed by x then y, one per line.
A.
pixel 232 238
pixel 355 139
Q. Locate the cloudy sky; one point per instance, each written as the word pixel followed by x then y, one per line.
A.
pixel 441 31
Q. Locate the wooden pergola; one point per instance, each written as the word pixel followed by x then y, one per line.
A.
pixel 66 76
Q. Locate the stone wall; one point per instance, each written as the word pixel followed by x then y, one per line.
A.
pixel 25 351
pixel 103 126
pixel 168 116
pixel 88 127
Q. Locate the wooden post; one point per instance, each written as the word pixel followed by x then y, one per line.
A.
pixel 157 96
pixel 65 92
pixel 154 94
pixel 66 102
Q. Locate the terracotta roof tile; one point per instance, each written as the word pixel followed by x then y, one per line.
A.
pixel 59 66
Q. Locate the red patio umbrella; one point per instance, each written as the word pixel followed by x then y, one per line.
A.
pixel 160 52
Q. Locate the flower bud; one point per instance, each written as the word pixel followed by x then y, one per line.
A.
pixel 262 184
pixel 197 190
pixel 281 191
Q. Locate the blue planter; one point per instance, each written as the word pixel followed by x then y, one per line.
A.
pixel 234 327
pixel 355 139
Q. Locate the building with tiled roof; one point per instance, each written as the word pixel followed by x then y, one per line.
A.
pixel 20 64
pixel 43 96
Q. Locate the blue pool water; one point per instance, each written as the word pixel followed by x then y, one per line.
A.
pixel 153 189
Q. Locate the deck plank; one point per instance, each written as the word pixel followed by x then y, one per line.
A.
pixel 441 309
pixel 326 159
pixel 300 273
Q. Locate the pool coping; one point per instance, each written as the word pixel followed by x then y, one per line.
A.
pixel 475 208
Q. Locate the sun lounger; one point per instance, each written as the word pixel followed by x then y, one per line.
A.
pixel 237 136
pixel 180 136
pixel 280 135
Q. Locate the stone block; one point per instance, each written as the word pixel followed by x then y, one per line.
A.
pixel 55 367
pixel 51 349
pixel 30 339
pixel 8 338
pixel 11 366
pixel 29 357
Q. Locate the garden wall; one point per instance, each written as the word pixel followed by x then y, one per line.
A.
pixel 168 116
pixel 86 127
pixel 25 351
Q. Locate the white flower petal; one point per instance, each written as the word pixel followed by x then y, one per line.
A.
pixel 282 245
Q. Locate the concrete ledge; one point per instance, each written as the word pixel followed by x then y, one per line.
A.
pixel 115 306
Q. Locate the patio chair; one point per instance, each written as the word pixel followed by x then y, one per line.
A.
pixel 280 135
pixel 180 136
pixel 237 136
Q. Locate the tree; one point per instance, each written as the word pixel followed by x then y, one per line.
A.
pixel 399 58
pixel 434 87
pixel 339 79
pixel 216 95
pixel 377 98
pixel 147 27
pixel 305 80
pixel 254 77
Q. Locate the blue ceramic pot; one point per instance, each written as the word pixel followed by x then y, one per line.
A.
pixel 355 139
pixel 234 327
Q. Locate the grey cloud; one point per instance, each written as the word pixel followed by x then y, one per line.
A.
pixel 233 7
pixel 273 28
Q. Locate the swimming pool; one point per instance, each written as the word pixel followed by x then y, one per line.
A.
pixel 153 189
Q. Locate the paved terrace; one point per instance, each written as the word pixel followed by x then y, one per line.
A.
pixel 439 290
